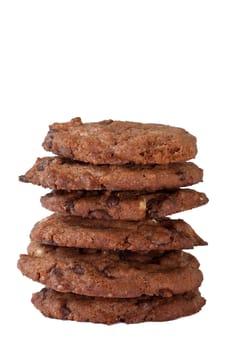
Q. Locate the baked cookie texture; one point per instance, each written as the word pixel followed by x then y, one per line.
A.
pixel 124 205
pixel 111 274
pixel 117 142
pixel 109 253
pixel 71 231
pixel 63 174
pixel 69 306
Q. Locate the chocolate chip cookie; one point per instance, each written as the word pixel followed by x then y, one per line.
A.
pixel 111 274
pixel 70 231
pixel 68 306
pixel 127 205
pixel 109 254
pixel 63 174
pixel 118 142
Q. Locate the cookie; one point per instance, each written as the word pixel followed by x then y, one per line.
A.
pixel 63 174
pixel 72 231
pixel 127 205
pixel 117 142
pixel 68 306
pixel 111 274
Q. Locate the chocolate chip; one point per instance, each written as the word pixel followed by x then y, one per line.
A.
pixel 66 160
pixel 67 153
pixel 99 214
pixel 158 200
pixel 42 165
pixel 69 205
pixel 57 272
pixel 175 150
pixel 65 311
pixel 42 293
pixel 154 214
pixel 112 201
pixel 23 178
pixel 78 269
pixel 106 122
pixel 189 295
pixel 49 242
pixel 49 140
pixel 53 128
pixel 154 204
pixel 181 175
pixel 165 293
pixel 107 273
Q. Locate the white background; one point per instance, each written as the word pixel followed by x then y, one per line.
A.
pixel 151 61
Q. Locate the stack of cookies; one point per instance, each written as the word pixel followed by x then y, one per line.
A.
pixel 109 253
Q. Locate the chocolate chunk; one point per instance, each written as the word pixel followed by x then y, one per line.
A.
pixel 23 178
pixel 154 205
pixel 107 273
pixel 69 205
pixel 165 293
pixel 49 140
pixel 65 311
pixel 182 175
pixel 106 122
pixel 49 241
pixel 41 166
pixel 78 269
pixel 42 293
pixel 112 201
pixel 175 150
pixel 57 272
pixel 99 214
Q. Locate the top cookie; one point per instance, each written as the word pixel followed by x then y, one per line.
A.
pixel 118 142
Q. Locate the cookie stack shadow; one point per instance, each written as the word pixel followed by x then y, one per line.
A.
pixel 109 253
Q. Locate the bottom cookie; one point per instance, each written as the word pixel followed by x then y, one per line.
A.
pixel 68 306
